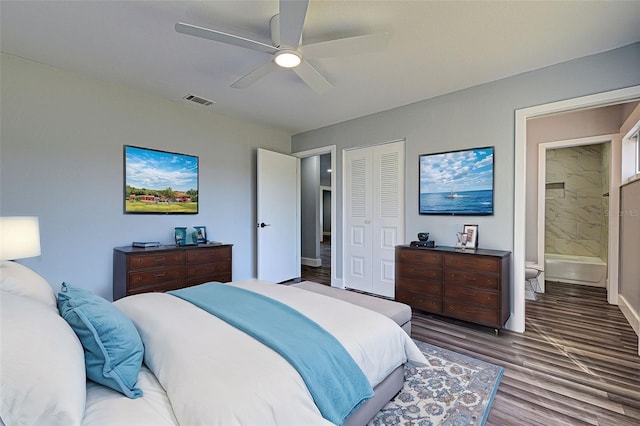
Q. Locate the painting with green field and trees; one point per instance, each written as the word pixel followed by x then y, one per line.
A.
pixel 160 182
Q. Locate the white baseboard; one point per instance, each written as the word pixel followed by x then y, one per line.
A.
pixel 631 315
pixel 307 261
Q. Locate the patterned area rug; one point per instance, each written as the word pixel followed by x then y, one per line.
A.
pixel 452 389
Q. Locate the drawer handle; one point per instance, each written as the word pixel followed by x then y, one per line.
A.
pixel 160 259
pixel 159 274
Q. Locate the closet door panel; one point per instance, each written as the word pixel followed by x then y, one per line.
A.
pixel 374 204
pixel 388 214
pixel 358 220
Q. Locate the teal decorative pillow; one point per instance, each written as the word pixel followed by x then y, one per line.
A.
pixel 113 350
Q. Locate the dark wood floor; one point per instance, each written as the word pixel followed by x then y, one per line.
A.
pixel 320 274
pixel 577 363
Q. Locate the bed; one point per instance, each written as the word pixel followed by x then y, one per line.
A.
pixel 194 368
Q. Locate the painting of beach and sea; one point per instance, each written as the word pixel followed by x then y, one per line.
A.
pixel 457 182
pixel 159 182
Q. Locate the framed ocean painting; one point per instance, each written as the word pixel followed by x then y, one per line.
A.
pixel 457 182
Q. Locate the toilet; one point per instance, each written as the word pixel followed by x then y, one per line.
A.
pixel 531 272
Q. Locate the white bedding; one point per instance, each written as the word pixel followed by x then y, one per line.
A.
pixel 106 407
pixel 216 374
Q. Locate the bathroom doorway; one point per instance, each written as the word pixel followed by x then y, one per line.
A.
pixel 574 186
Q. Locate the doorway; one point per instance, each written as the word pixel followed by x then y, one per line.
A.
pixel 319 216
pixel 576 183
pixel 517 320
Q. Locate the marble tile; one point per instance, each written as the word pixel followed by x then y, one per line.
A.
pixel 577 247
pixel 575 216
pixel 587 231
pixel 562 229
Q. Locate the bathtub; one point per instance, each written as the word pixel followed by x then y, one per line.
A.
pixel 583 270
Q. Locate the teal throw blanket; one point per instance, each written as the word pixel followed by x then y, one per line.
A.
pixel 335 381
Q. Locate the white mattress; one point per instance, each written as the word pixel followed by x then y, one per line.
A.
pixel 216 374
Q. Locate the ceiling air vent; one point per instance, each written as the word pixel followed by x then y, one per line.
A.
pixel 198 100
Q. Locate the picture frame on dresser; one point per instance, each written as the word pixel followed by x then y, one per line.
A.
pixel 201 234
pixel 472 236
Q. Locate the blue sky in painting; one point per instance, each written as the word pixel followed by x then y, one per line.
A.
pixel 159 170
pixel 470 170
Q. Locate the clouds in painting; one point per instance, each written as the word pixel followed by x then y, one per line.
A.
pixel 459 171
pixel 160 170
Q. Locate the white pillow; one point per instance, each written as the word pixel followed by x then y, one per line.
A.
pixel 18 279
pixel 42 373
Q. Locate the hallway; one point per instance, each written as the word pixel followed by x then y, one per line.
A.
pixel 321 274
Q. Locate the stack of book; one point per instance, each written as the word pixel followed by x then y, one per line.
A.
pixel 145 244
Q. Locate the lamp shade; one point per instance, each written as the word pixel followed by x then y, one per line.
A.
pixel 19 237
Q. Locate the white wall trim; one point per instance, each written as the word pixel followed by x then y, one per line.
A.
pixel 516 322
pixel 632 316
pixel 307 261
pixel 321 204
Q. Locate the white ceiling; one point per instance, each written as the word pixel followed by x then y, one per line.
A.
pixel 435 47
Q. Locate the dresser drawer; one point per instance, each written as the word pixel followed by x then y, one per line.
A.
pixel 141 261
pixel 420 301
pixel 157 287
pixel 477 314
pixel 475 296
pixel 426 257
pixel 428 287
pixel 206 269
pixel 472 263
pixel 149 277
pixel 414 270
pixel 471 279
pixel 208 255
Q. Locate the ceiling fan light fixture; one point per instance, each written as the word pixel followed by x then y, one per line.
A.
pixel 288 59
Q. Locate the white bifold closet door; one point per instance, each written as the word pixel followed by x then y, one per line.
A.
pixel 374 216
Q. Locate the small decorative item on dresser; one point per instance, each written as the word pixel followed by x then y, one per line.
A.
pixel 472 236
pixel 461 240
pixel 201 234
pixel 180 235
pixel 146 244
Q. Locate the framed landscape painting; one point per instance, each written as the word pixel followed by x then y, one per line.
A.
pixel 159 182
pixel 457 182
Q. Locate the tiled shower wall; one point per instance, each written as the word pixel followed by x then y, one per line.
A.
pixel 576 199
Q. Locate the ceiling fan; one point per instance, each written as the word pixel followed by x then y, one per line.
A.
pixel 286 51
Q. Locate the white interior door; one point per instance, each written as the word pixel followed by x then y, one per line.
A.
pixel 388 215
pixel 278 214
pixel 357 230
pixel 374 216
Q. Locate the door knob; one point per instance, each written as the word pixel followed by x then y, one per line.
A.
pixel 262 224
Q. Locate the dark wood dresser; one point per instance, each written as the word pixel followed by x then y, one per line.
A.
pixel 471 285
pixel 142 270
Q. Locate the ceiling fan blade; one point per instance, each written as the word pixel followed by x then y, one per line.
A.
pixel 312 77
pixel 292 15
pixel 255 75
pixel 346 46
pixel 214 35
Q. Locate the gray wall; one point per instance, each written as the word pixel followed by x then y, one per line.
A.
pixel 61 159
pixel 309 207
pixel 478 116
pixel 630 244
